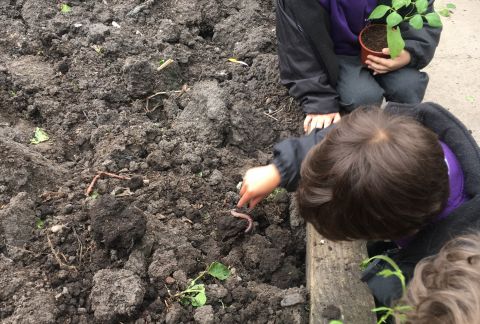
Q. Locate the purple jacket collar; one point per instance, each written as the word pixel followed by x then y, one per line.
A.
pixel 457 195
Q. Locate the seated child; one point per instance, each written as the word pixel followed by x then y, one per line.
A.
pixel 410 174
pixel 446 288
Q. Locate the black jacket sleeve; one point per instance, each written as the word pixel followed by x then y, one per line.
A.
pixel 301 68
pixel 289 154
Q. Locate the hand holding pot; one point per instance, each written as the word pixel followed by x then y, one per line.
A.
pixel 382 65
pixel 257 184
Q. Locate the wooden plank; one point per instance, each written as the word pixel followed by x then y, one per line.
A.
pixel 333 279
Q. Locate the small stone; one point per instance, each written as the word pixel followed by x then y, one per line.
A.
pixel 68 209
pixel 136 182
pixel 204 315
pixel 292 299
pixel 82 310
pixel 115 294
pixel 56 228
pixel 169 280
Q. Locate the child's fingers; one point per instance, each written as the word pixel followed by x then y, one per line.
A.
pixel 306 123
pixel 243 188
pixel 337 118
pixel 246 197
pixel 327 122
pixel 255 201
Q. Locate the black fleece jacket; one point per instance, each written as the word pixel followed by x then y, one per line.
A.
pixel 288 156
pixel 307 61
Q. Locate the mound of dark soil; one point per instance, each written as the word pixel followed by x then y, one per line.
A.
pixel 98 80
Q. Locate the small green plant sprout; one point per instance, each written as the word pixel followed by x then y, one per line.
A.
pixel 413 11
pixel 234 60
pixel 65 8
pixel 99 49
pixel 39 223
pixel 335 322
pixel 13 93
pixel 39 136
pixel 195 294
pixel 95 194
pixel 400 311
pixel 275 193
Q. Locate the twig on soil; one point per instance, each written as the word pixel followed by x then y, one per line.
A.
pixel 21 249
pixel 80 253
pixel 55 255
pixel 245 217
pixel 276 111
pixel 179 92
pixel 270 116
pixel 165 64
pixel 102 173
pixel 140 7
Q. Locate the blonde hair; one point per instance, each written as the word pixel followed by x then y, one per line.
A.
pixel 446 287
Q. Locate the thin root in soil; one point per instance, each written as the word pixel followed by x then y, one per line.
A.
pixel 98 176
pixel 62 264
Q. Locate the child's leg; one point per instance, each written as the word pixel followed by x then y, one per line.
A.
pixel 406 85
pixel 356 85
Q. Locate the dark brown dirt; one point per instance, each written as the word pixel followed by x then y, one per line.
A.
pixel 84 77
pixel 375 38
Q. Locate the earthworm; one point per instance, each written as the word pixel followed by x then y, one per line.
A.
pixel 245 217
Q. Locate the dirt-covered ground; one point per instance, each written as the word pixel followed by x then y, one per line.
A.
pixel 116 256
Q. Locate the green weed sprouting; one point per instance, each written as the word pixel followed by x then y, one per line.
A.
pixel 39 136
pixel 65 8
pixel 195 294
pixel 275 193
pixel 399 310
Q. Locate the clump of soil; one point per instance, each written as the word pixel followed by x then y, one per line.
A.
pixel 375 38
pixel 184 134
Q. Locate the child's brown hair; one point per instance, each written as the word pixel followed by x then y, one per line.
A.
pixel 374 176
pixel 446 288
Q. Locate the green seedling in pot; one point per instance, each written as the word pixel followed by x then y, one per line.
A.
pixel 415 12
pixel 195 294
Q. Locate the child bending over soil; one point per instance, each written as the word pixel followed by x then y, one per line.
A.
pixel 409 175
pixel 446 288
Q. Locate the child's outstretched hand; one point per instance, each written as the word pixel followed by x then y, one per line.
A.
pixel 258 183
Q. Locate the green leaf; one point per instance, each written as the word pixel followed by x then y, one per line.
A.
pixel 95 194
pixel 65 8
pixel 396 44
pixel 393 19
pixel 379 12
pixel 416 21
pixel 39 136
pixel 199 299
pixel 451 6
pixel 39 223
pixel 408 2
pixel 335 322
pixel 403 308
pixel 433 19
pixel 381 309
pixel 218 270
pixel 422 6
pixel 397 4
pixel 444 12
pixel 386 273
